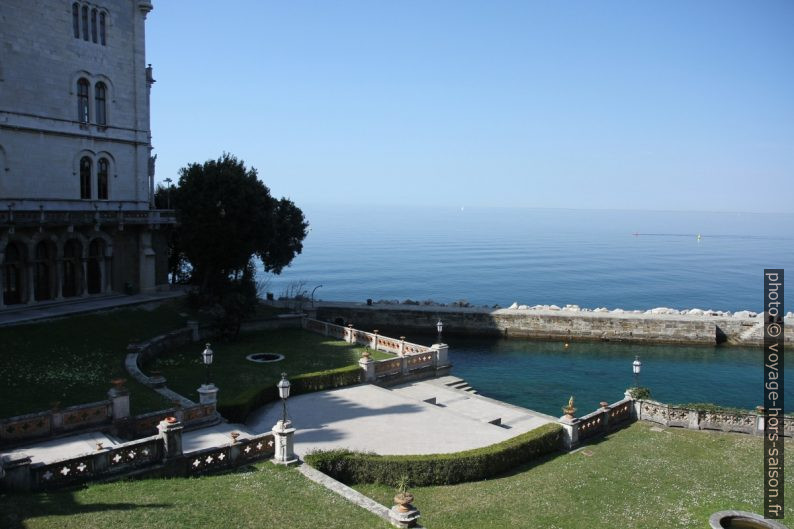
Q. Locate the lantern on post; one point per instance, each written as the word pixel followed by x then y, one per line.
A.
pixel 207 356
pixel 283 392
pixel 635 367
pixel 439 328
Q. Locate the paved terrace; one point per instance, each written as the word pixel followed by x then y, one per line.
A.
pixel 14 315
pixel 399 420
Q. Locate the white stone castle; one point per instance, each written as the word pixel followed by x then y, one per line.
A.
pixel 77 216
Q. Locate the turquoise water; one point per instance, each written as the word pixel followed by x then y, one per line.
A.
pixel 542 375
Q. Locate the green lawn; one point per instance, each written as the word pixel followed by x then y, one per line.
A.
pixel 635 478
pixel 304 352
pixel 258 497
pixel 72 360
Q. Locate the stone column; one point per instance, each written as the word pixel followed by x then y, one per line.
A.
pixel 402 345
pixel 29 284
pixel 283 434
pixel 58 279
pixel 2 280
pixel 349 336
pixel 325 329
pixel 120 401
pixel 635 406
pixel 83 277
pixel 375 340
pixel 146 258
pixel 171 432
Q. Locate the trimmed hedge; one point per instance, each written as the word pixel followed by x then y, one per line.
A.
pixel 255 397
pixel 438 469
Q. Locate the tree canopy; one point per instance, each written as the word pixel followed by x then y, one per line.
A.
pixel 227 217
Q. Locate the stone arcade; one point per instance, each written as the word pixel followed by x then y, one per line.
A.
pixel 76 173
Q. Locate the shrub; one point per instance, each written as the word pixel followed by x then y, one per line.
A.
pixel 257 396
pixel 640 392
pixel 438 469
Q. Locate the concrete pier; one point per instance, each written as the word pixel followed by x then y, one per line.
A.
pixel 645 327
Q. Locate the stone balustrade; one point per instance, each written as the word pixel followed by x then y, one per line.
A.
pixel 73 419
pixel 602 421
pixel 161 453
pixel 412 359
pixel 724 421
pixel 608 418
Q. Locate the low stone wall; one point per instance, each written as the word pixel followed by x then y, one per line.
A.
pixel 643 327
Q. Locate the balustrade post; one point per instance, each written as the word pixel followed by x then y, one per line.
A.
pixel 171 433
pixel 325 329
pixel 375 340
pixel 350 335
pixel 402 345
pixel 404 367
pixel 570 432
pixel 604 416
pixel 16 467
pixel 367 366
pixel 442 355
pixel 759 420
pixel 120 402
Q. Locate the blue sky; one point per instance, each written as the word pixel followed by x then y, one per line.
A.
pixel 672 105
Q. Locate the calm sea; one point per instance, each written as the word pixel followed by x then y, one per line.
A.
pixel 626 259
pixel 536 256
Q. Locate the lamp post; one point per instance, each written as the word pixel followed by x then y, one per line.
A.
pixel 206 356
pixel 283 432
pixel 439 328
pixel 313 290
pixel 283 392
pixel 168 193
pixel 635 367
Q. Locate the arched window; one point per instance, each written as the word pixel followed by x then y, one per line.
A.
pixel 85 177
pixel 82 100
pixel 76 20
pixel 93 26
pixel 102 33
pixel 100 97
pixel 102 179
pixel 85 22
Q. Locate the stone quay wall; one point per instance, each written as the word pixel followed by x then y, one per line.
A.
pixel 561 324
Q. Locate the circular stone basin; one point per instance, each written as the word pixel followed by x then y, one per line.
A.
pixel 264 358
pixel 742 520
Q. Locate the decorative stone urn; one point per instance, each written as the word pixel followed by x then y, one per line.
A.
pixel 569 410
pixel 403 501
pixel 403 514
